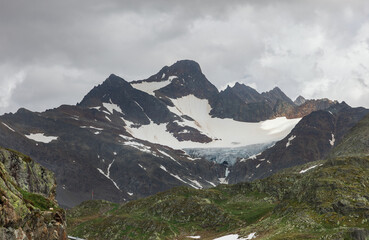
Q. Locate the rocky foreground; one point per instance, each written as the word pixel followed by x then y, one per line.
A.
pixel 28 209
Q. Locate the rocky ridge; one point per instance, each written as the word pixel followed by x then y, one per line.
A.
pixel 28 209
pixel 109 145
pixel 326 199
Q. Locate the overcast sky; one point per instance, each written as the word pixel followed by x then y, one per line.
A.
pixel 54 52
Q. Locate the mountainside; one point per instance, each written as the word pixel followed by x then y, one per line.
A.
pixel 356 143
pixel 123 141
pixel 28 209
pixel 311 139
pixel 326 199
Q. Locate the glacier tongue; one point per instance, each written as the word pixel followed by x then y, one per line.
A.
pixel 227 155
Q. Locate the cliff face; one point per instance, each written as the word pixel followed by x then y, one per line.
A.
pixel 28 209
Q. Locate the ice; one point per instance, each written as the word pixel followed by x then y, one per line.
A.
pixel 229 155
pixel 228 132
pixel 40 137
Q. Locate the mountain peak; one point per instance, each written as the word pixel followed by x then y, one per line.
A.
pixel 276 94
pixel 299 100
pixel 184 77
pixel 185 66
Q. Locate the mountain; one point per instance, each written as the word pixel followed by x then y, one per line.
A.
pixel 326 199
pixel 311 139
pixel 356 142
pixel 28 209
pixel 124 140
pixel 299 100
pixel 243 103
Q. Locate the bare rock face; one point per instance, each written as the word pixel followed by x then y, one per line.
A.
pixel 299 100
pixel 28 209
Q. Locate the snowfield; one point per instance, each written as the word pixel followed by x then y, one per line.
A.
pixel 224 132
pixel 40 137
pixel 150 87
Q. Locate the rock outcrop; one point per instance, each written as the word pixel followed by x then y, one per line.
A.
pixel 28 209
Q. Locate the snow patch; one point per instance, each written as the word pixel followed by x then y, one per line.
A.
pixel 112 106
pixel 194 237
pixel 225 132
pixel 167 155
pixel 211 183
pixel 289 140
pixel 150 87
pixel 223 180
pixel 92 127
pixel 257 166
pixel 125 137
pixel 226 172
pixel 129 193
pixel 331 141
pixel 196 183
pixel 142 167
pixel 177 177
pixel 40 137
pixel 108 118
pixel 11 129
pixel 237 237
pixel 309 168
pixel 170 78
pixel 141 147
pixel 107 174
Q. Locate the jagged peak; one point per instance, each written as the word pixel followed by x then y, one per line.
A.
pixel 114 79
pixel 299 100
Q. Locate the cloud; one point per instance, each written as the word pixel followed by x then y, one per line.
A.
pixel 315 48
pixel 10 81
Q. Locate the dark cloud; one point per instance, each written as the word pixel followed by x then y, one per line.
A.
pixel 54 52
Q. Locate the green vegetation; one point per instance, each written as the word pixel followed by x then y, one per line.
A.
pixel 330 200
pixel 38 201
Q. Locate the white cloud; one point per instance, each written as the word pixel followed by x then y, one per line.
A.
pixel 11 79
pixel 315 48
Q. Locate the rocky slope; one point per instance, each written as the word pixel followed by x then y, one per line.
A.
pixel 312 139
pixel 326 199
pixel 122 141
pixel 28 209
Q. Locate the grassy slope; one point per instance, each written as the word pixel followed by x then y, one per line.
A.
pixel 330 201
